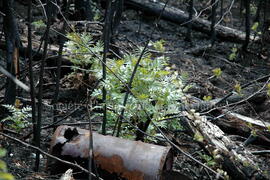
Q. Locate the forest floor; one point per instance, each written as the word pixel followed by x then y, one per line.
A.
pixel 196 65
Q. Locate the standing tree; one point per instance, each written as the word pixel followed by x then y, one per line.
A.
pixel 190 14
pixel 83 10
pixel 214 5
pixel 106 41
pixel 247 24
pixel 49 16
pixel 258 12
pixel 12 45
pixel 221 8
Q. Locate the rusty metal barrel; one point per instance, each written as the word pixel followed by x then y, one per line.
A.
pixel 132 160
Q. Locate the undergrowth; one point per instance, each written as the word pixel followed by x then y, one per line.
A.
pixel 155 89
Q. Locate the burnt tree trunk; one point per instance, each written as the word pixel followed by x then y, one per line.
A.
pixel 258 12
pixel 221 8
pixel 83 10
pixel 189 26
pixel 41 81
pixel 214 4
pixel 12 49
pixel 247 24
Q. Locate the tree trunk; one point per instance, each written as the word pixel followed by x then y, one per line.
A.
pixel 214 4
pixel 12 49
pixel 83 10
pixel 190 14
pixel 247 25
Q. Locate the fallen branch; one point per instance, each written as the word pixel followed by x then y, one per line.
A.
pixel 14 79
pixel 253 122
pixel 245 126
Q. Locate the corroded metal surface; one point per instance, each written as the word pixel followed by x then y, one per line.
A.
pixel 132 160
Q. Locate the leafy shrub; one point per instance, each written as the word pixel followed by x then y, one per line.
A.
pixel 156 88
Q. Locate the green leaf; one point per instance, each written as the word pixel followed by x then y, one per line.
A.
pixel 159 45
pixel 198 136
pixel 3 166
pixel 255 26
pixel 143 96
pixel 233 54
pixel 238 88
pixel 207 98
pixel 3 152
pixel 217 72
pixel 6 176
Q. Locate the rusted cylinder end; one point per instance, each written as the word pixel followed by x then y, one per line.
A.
pixel 132 160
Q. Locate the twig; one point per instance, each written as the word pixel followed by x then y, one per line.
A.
pixel 14 79
pixel 91 157
pixel 261 152
pixel 244 86
pixel 3 14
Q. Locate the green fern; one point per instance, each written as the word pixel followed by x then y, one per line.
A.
pixel 19 118
pixel 77 49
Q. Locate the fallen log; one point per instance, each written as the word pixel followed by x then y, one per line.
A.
pixel 254 122
pixel 235 123
pixel 180 17
pixel 237 161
